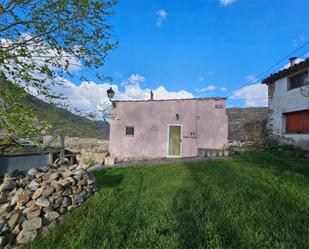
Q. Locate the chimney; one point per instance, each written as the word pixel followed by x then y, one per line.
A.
pixel 292 61
pixel 151 95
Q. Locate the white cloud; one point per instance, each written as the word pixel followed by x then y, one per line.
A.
pixel 205 89
pixel 161 16
pixel 90 96
pixel 253 95
pixel 41 50
pixel 133 80
pixel 223 89
pixel 227 2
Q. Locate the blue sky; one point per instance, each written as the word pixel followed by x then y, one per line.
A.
pixel 193 44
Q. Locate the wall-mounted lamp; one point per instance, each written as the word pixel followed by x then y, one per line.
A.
pixel 177 116
pixel 110 95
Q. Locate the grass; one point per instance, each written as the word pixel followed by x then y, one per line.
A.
pixel 257 200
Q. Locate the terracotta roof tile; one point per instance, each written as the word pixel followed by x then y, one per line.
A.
pixel 285 72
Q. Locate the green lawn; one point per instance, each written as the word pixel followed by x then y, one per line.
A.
pixel 256 200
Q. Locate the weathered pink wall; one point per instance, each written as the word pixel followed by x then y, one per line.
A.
pixel 195 115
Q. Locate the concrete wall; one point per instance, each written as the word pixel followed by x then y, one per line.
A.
pixel 23 162
pixel 151 120
pixel 284 101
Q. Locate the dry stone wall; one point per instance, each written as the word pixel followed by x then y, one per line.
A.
pixel 33 202
pixel 92 151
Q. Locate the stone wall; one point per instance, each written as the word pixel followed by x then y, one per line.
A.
pixel 256 132
pixel 34 202
pixel 92 150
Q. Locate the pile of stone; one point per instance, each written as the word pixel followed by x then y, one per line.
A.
pixel 35 201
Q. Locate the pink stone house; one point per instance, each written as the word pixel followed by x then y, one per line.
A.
pixel 151 129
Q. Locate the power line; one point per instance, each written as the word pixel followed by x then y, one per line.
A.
pixel 252 81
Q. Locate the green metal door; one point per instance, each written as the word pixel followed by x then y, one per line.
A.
pixel 174 142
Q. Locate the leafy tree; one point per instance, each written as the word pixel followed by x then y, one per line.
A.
pixel 39 43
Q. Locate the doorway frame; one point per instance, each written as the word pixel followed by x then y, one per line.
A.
pixel 168 141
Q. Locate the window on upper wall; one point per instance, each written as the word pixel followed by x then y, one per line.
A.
pixel 298 80
pixel 130 131
pixel 297 122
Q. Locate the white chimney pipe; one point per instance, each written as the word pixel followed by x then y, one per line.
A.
pixel 292 61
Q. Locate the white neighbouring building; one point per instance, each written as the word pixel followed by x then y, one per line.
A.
pixel 288 103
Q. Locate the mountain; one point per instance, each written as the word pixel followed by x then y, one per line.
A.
pixel 73 125
pixel 238 117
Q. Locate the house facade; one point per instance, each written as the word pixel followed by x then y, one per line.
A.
pixel 288 94
pixel 153 129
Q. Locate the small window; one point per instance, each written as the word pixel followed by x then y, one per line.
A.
pixel 219 106
pixel 298 80
pixel 129 131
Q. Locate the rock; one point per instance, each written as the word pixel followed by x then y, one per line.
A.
pixel 44 169
pixel 90 182
pixel 25 237
pixel 21 219
pixel 39 174
pixel 82 182
pixel 5 229
pixel 30 204
pixel 58 202
pixel 37 193
pixel 66 173
pixel 64 183
pixel 14 219
pixel 46 176
pixel 34 185
pixel 23 197
pixel 71 180
pixel 54 176
pixel 32 172
pixel 7 176
pixel 56 185
pixel 46 229
pixel 48 209
pixel 79 172
pixel 6 207
pixel 66 192
pixel 78 198
pixel 42 202
pixel 32 224
pixel 2 221
pixel 71 207
pixel 15 197
pixel 76 189
pixel 7 186
pixel 9 241
pixel 33 214
pixel 50 216
pixel 48 191
pixel 3 198
pixel 52 224
pixel 16 229
pixel 2 241
pixel 62 210
pixel 66 202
